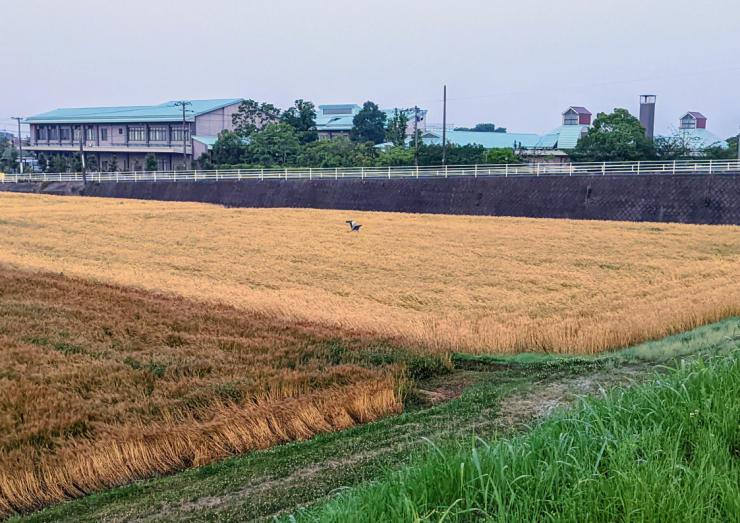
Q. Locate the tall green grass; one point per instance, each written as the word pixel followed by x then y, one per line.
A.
pixel 664 451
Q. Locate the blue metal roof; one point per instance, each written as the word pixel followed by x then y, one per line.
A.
pixel 700 138
pixel 487 140
pixel 166 112
pixel 564 137
pixel 344 122
pixel 206 140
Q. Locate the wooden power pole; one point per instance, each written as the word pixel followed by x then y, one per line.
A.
pixel 183 104
pixel 444 128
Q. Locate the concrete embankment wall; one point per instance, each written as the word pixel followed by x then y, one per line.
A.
pixel 658 198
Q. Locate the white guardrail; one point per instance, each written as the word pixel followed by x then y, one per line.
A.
pixel 435 171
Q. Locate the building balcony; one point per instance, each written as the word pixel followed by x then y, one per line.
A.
pixel 135 147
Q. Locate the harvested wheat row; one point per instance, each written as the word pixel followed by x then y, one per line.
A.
pixel 166 449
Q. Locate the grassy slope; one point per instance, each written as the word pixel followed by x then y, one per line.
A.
pixel 263 483
pixel 665 451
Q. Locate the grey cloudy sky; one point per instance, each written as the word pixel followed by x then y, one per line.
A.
pixel 516 64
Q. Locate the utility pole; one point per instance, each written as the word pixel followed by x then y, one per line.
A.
pixel 20 145
pixel 444 128
pixel 183 104
pixel 416 136
pixel 82 154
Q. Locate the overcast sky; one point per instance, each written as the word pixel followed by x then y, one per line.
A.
pixel 515 64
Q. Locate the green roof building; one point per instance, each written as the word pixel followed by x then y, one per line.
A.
pixel 131 133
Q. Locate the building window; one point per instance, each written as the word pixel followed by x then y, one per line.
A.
pixel 77 134
pixel 65 133
pixel 158 134
pixel 105 165
pixel 177 133
pixel 104 135
pixel 136 134
pixel 40 133
pixel 162 164
pixel 120 130
pixel 91 134
pixel 571 118
pixel 53 133
pixel 339 110
pixel 687 122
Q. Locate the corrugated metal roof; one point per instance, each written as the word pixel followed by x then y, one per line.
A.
pixel 487 140
pixel 206 140
pixel 564 137
pixel 166 112
pixel 344 122
pixel 700 138
pixel 695 114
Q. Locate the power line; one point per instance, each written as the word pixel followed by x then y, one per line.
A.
pixel 588 86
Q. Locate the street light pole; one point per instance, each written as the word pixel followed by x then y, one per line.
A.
pixel 20 145
pixel 183 104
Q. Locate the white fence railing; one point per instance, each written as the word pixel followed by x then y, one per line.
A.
pixel 436 171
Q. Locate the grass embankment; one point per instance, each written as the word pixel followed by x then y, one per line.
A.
pixel 472 284
pixel 101 385
pixel 668 450
pixel 500 394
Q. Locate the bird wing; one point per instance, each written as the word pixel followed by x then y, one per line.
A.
pixel 351 224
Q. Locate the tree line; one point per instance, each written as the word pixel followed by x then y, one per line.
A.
pixel 620 137
pixel 266 137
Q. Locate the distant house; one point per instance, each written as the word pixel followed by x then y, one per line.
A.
pixel 130 133
pixel 552 146
pixel 576 123
pixel 337 120
pixel 692 133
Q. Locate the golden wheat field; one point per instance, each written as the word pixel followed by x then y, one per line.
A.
pixel 480 284
pixel 101 386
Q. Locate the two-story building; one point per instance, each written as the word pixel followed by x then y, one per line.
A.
pixel 131 133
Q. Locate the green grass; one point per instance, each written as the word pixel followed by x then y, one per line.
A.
pixel 667 450
pixel 257 486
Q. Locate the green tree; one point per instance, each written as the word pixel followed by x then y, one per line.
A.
pixel 483 128
pixel 275 145
pixel 396 156
pixel 252 116
pixel 60 164
pixel 340 152
pixel 615 137
pixel 9 158
pixel 43 162
pixel 368 125
pixel 681 145
pixel 76 163
pixel 230 148
pixel 113 166
pixel 204 161
pixel 302 117
pixel 151 162
pixel 396 131
pixel 499 155
pixel 91 162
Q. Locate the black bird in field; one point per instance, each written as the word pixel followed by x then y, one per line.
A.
pixel 354 226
